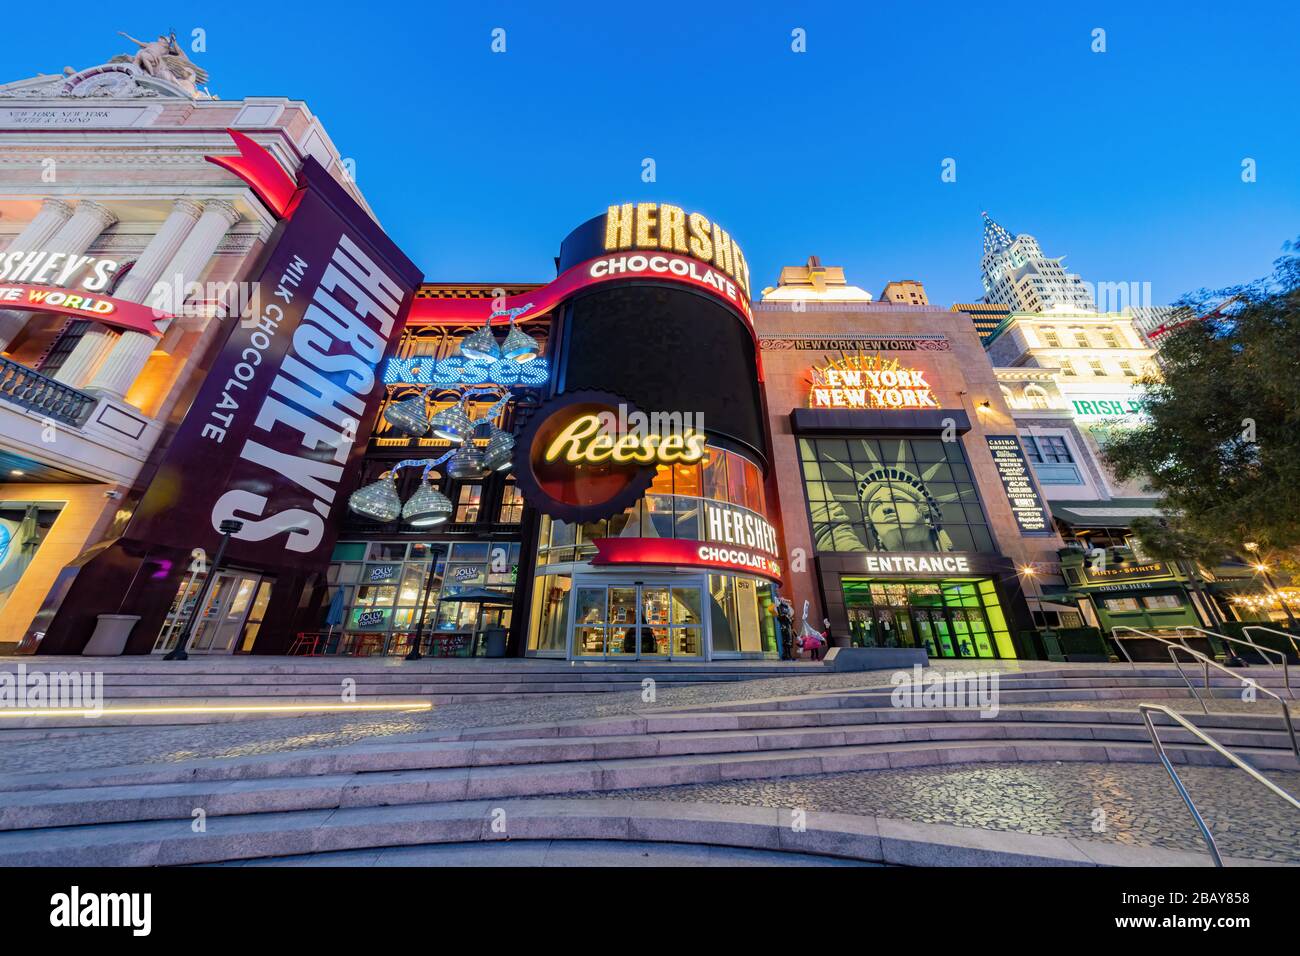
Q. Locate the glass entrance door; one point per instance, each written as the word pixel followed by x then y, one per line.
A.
pixel 638 622
pixel 235 602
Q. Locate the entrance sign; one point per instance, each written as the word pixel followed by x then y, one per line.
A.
pixel 917 564
pixel 1018 483
pixel 869 381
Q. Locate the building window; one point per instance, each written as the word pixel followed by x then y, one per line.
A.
pixel 891 494
pixel 512 505
pixel 1096 367
pixel 1121 605
pixel 1047 449
pixel 1081 338
pixel 468 503
pixel 1162 602
pixel 1036 396
pixel 1067 367
pixel 1051 338
pixel 1127 368
pixel 1108 336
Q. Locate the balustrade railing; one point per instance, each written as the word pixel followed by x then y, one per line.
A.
pixel 41 394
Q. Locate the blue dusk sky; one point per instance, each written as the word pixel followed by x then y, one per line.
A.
pixel 1128 162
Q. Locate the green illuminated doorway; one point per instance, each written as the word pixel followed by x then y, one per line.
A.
pixel 950 618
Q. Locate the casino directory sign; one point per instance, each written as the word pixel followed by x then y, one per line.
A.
pixel 1018 482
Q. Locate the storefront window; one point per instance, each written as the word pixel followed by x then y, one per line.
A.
pixel 722 609
pixel 550 613
pixel 384 593
pixel 892 494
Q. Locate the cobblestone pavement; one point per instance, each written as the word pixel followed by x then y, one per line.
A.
pixel 27 752
pixel 1136 804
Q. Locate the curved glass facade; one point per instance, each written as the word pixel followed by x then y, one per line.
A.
pixel 621 612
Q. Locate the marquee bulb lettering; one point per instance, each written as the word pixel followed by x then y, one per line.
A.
pixel 648 225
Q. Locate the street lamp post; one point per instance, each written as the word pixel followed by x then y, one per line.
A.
pixel 227 528
pixel 1262 568
pixel 1032 574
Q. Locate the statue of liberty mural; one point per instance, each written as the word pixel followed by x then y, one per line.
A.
pixel 898 511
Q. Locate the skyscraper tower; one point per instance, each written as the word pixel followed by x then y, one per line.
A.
pixel 1017 274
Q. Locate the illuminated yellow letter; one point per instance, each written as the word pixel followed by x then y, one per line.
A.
pixel 618 227
pixel 672 228
pixel 645 223
pixel 701 246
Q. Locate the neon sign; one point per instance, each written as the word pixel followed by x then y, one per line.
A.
pixel 648 225
pixel 868 381
pixel 588 440
pixel 457 370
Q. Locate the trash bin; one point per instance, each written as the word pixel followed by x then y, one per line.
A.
pixel 494 640
pixel 111 632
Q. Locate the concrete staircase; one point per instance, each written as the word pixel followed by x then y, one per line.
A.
pixel 296 685
pixel 443 787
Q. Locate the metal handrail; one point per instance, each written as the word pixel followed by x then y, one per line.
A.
pixel 1272 630
pixel 1286 677
pixel 1145 710
pixel 1206 664
pixel 1120 644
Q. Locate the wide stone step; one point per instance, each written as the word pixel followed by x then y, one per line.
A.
pixel 491 770
pixel 691 720
pixel 293 833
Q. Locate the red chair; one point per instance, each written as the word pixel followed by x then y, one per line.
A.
pixel 306 644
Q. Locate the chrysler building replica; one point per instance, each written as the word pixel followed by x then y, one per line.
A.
pixel 1017 274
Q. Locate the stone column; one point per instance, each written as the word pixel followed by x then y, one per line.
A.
pixel 53 215
pixel 137 285
pixel 129 355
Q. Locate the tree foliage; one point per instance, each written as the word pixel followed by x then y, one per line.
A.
pixel 1221 443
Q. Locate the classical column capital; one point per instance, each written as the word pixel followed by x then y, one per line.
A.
pixel 102 213
pixel 56 205
pixel 225 208
pixel 188 207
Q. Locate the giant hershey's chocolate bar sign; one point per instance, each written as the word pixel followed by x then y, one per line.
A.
pixel 288 404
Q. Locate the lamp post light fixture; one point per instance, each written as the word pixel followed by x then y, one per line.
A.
pixel 227 528
pixel 1031 574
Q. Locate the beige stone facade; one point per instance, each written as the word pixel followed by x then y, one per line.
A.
pixel 108 163
pixel 800 337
